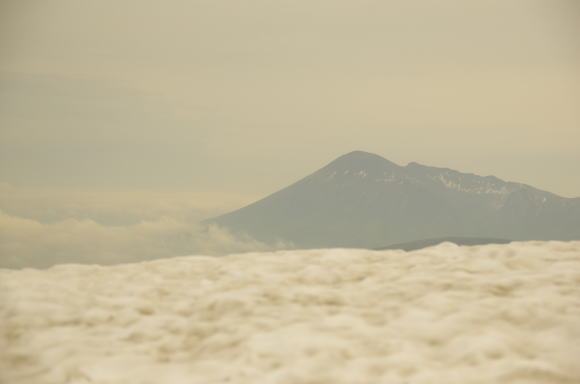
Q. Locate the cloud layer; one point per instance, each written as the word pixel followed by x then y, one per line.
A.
pixel 455 315
pixel 42 229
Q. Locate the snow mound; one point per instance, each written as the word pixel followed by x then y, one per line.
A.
pixel 446 314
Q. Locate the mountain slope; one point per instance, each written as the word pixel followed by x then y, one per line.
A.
pixel 363 200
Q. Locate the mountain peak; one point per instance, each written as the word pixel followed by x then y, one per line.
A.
pixel 361 155
pixel 362 159
pixel 358 163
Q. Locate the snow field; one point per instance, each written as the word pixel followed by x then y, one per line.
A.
pixel 446 314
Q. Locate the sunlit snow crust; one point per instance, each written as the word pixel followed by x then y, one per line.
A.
pixel 447 314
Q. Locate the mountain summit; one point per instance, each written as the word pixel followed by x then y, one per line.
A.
pixel 364 200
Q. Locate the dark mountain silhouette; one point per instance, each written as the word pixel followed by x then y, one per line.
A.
pixel 363 200
pixel 420 244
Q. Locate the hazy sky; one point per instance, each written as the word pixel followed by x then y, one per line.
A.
pixel 125 122
pixel 248 96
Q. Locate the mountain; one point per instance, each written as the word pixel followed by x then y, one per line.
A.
pixel 420 244
pixel 363 200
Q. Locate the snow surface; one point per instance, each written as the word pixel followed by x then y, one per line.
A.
pixel 481 188
pixel 446 314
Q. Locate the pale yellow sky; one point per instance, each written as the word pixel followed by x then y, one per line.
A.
pixel 246 97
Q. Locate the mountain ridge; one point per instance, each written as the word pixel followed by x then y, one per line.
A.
pixel 361 199
pixel 425 243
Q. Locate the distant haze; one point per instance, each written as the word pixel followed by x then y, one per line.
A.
pixel 122 120
pixel 249 96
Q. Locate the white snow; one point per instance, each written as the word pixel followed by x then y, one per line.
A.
pixel 454 315
pixel 331 176
pixel 486 188
pixel 389 178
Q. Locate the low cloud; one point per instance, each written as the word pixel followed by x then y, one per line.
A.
pixel 111 227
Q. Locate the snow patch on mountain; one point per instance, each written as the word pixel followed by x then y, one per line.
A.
pixel 480 187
